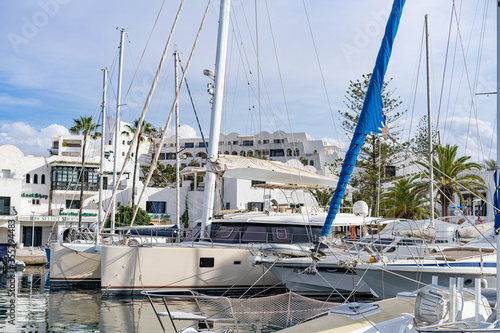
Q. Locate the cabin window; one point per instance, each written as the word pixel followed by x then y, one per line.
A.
pixel 207 262
pixel 255 234
pixel 227 233
pixel 280 235
pixel 301 235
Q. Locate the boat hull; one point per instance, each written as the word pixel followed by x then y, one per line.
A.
pixel 128 270
pixel 79 264
pixel 326 280
pixel 388 281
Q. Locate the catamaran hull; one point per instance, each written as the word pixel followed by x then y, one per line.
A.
pixel 128 270
pixel 325 281
pixel 74 264
pixel 391 280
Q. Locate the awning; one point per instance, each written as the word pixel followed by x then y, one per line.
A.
pixel 269 171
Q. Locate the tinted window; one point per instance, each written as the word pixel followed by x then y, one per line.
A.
pixel 227 234
pixel 280 235
pixel 255 234
pixel 303 235
pixel 193 235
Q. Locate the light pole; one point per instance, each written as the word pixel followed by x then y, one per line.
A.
pixel 32 232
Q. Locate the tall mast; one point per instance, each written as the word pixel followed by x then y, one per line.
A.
pixel 429 116
pixel 177 148
pixel 117 124
pixel 498 153
pixel 215 122
pixel 101 174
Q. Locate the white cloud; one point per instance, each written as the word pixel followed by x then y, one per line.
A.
pixel 8 100
pixel 185 131
pixel 30 140
pixel 343 144
pixel 463 131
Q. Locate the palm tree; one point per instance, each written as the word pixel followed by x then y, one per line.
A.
pixel 450 176
pixel 146 131
pixel 491 165
pixel 404 200
pixel 85 127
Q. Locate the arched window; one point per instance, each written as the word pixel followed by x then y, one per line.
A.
pixel 27 178
pixel 226 153
pixel 43 179
pixel 235 153
pixel 297 153
pixel 242 153
pixel 35 179
pixel 250 153
pixel 288 152
pixel 311 162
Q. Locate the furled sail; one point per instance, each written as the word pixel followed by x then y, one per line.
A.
pixel 371 119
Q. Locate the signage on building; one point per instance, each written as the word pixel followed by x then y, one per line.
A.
pixel 34 195
pixel 56 219
pixel 159 216
pixel 76 214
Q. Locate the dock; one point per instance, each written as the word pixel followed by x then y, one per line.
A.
pixel 35 257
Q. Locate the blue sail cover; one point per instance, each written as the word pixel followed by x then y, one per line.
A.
pixel 371 119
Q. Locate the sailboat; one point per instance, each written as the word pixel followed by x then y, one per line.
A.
pixel 215 255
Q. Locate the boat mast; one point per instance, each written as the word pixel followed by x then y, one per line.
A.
pixel 117 124
pixel 429 119
pixel 215 123
pixel 497 204
pixel 101 174
pixel 177 159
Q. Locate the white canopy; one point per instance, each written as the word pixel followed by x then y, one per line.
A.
pixel 270 171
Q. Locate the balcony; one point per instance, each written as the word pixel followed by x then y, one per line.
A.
pixel 8 211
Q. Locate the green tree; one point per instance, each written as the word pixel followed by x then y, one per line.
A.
pixel 450 176
pixel 323 196
pixel 404 200
pixel 377 153
pixel 491 165
pixel 163 176
pixel 85 127
pixel 419 144
pixel 124 216
pixel 146 132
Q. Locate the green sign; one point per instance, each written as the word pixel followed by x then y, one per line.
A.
pixel 34 195
pixel 76 214
pixel 159 216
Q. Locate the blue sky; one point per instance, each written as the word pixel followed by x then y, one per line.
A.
pixel 53 52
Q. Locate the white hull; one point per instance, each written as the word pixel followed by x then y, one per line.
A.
pixel 77 263
pixel 326 280
pixel 389 279
pixel 129 270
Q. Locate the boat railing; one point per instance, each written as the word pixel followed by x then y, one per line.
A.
pixel 212 311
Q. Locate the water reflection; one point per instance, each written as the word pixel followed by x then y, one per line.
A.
pixel 36 308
